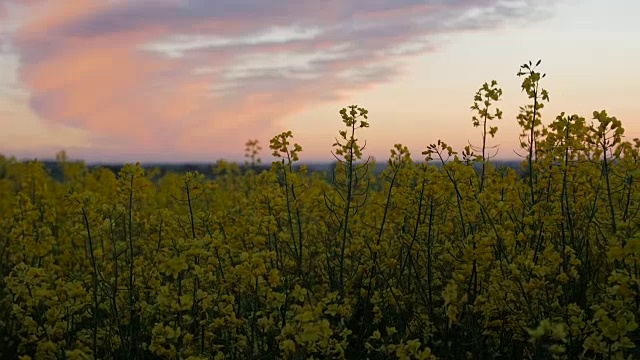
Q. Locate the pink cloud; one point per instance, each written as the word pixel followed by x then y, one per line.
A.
pixel 141 77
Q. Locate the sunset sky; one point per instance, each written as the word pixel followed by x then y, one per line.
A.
pixel 192 80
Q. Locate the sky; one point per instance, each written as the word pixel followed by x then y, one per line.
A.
pixel 193 80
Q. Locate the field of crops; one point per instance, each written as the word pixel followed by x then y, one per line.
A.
pixel 460 261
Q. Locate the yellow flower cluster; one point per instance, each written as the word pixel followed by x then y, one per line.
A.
pixel 453 259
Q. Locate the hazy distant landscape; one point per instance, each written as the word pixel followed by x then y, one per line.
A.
pixel 208 169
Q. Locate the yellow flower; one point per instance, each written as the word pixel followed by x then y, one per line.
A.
pixel 288 346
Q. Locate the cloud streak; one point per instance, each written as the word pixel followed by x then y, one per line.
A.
pixel 199 76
